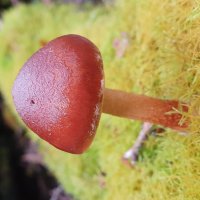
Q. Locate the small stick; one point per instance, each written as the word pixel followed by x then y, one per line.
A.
pixel 130 157
pixel 14 2
pixel 56 193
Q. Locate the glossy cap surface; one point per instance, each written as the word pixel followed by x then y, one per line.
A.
pixel 58 92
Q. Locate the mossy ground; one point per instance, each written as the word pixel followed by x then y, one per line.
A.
pixel 162 59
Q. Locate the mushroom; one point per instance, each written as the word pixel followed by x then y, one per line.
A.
pixel 59 94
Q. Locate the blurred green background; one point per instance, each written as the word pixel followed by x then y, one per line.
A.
pixel 149 47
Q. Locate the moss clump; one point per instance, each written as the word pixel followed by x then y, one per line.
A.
pixel 162 59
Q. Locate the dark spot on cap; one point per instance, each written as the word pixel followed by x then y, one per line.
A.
pixel 32 102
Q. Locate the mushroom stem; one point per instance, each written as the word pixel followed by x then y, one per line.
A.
pixel 147 109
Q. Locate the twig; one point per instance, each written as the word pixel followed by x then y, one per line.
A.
pixel 130 157
pixel 14 2
pixel 56 193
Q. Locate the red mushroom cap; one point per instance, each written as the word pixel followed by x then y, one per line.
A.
pixel 58 92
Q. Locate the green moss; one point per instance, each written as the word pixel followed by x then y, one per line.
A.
pixel 161 60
